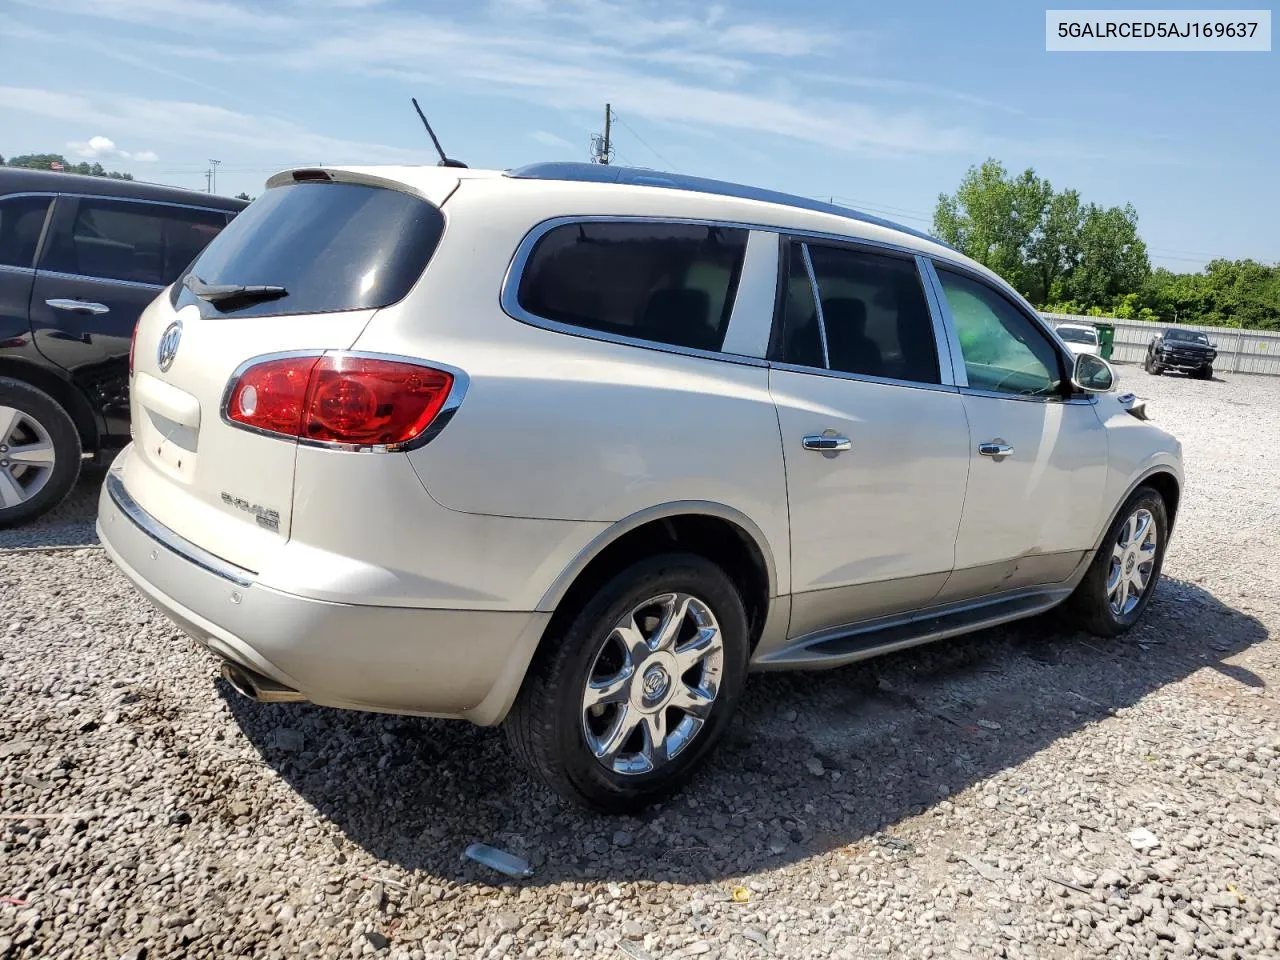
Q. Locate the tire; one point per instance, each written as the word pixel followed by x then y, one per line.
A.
pixel 1205 373
pixel 1152 367
pixel 550 724
pixel 1091 604
pixel 31 419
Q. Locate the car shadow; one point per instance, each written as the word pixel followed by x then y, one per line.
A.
pixel 893 736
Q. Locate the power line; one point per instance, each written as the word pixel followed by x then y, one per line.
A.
pixel 643 141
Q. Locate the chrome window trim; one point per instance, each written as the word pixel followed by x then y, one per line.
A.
pixel 509 293
pixel 457 393
pixel 943 329
pixel 509 297
pixel 10 268
pixel 172 541
pixel 751 320
pixel 100 196
pixel 59 275
pixel 817 305
pixel 861 377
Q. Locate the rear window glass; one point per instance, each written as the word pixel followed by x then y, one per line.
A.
pixel 669 283
pixel 332 246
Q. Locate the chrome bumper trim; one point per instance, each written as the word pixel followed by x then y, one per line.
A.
pixel 171 541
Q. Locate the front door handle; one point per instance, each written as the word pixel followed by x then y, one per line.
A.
pixel 79 306
pixel 825 444
pixel 997 450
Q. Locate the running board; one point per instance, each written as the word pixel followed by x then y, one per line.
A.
pixel 860 641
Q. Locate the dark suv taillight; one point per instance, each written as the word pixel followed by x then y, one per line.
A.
pixel 345 399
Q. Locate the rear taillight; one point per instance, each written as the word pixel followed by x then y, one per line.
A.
pixel 337 398
pixel 133 344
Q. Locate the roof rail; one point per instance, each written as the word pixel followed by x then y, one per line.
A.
pixel 638 176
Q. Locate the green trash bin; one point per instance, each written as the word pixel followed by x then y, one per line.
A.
pixel 1106 339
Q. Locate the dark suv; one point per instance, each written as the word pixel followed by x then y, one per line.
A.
pixel 1178 349
pixel 80 257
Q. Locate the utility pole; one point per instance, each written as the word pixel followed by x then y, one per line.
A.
pixel 213 175
pixel 208 180
pixel 602 146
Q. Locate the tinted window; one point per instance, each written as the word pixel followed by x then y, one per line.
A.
pixel 138 242
pixel 1003 349
pixel 332 246
pixel 874 315
pixel 1193 336
pixel 666 282
pixel 21 219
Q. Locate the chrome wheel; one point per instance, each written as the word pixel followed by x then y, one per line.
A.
pixel 26 457
pixel 1133 560
pixel 653 683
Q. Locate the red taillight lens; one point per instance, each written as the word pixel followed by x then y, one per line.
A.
pixel 364 401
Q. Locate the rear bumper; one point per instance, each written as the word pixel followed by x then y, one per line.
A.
pixel 465 664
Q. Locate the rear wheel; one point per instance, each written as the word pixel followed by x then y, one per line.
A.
pixel 39 452
pixel 1119 582
pixel 622 705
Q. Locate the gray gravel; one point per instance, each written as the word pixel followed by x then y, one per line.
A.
pixel 1026 792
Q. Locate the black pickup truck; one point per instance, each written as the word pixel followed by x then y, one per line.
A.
pixel 80 258
pixel 1187 350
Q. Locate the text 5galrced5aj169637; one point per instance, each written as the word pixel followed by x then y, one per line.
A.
pixel 1158 30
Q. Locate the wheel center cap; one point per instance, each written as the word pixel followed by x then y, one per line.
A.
pixel 654 683
pixel 1128 564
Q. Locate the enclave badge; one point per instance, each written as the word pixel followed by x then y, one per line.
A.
pixel 168 347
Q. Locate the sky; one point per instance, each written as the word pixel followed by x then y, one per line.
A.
pixel 877 105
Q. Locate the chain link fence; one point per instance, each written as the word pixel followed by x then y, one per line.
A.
pixel 1239 351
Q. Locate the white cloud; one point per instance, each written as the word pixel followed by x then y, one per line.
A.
pixel 104 148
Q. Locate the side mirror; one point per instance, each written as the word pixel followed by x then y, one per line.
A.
pixel 1092 374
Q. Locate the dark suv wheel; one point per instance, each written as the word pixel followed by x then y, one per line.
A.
pixel 39 452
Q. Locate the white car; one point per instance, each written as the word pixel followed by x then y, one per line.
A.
pixel 1079 338
pixel 576 447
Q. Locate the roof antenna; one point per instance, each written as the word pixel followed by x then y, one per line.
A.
pixel 444 161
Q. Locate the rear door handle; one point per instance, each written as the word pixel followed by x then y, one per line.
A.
pixel 78 306
pixel 997 450
pixel 825 444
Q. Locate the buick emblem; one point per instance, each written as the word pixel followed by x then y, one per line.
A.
pixel 168 348
pixel 654 682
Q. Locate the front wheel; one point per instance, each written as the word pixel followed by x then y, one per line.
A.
pixel 1205 373
pixel 622 704
pixel 1119 582
pixel 39 452
pixel 1152 367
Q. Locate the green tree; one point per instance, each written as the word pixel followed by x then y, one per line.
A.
pixel 993 218
pixel 45 161
pixel 1055 248
pixel 1112 257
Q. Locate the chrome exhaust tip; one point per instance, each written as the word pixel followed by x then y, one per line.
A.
pixel 251 684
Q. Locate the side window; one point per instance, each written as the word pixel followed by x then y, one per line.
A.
pixel 874 316
pixel 1003 349
pixel 137 242
pixel 666 282
pixel 21 219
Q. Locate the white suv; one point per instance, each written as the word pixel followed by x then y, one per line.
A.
pixel 576 447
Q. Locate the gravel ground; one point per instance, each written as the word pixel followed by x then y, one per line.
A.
pixel 1025 792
